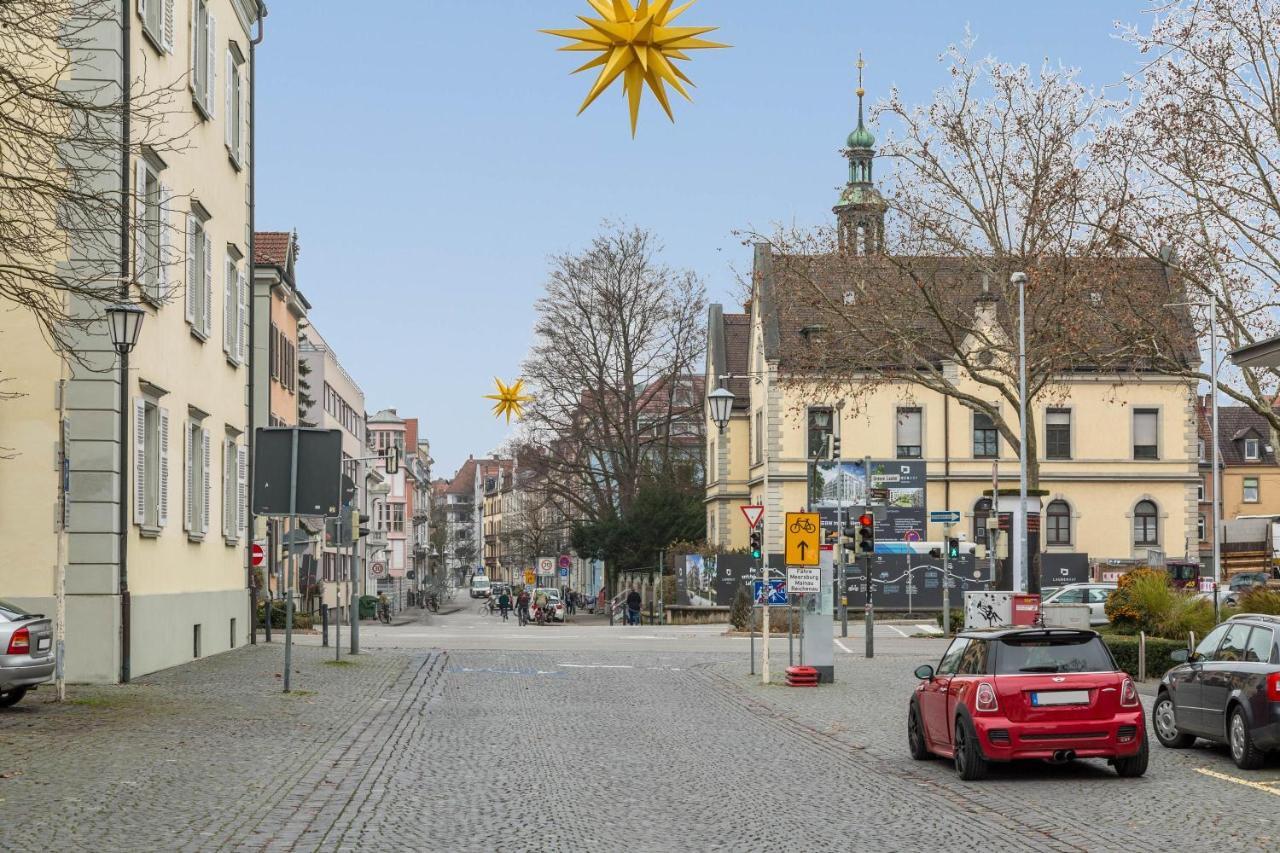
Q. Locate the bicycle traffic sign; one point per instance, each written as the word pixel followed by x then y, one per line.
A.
pixel 803 533
pixel 777 592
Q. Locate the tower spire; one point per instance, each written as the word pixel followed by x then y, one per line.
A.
pixel 860 211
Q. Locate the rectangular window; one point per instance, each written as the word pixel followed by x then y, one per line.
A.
pixel 203 65
pixel 985 437
pixel 910 432
pixel 196 485
pixel 234 113
pixel 199 285
pixel 157 22
pixel 1200 450
pixel 820 432
pixel 1145 444
pixel 1250 490
pixel 1200 491
pixel 231 310
pixel 759 437
pixel 151 240
pixel 273 357
pixel 229 472
pixel 1251 450
pixel 1200 527
pixel 1058 528
pixel 151 464
pixel 1057 434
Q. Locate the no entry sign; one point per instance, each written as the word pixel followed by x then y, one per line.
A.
pixel 257 555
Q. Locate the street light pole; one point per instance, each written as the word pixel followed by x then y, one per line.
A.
pixel 1023 573
pixel 1217 463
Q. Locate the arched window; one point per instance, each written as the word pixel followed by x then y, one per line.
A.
pixel 981 512
pixel 1058 523
pixel 1146 524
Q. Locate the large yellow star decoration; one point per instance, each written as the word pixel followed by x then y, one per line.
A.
pixel 510 401
pixel 637 43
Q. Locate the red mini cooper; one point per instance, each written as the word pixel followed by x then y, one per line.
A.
pixel 1015 693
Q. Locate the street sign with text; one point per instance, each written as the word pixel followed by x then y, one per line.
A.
pixel 803 533
pixel 804 581
pixel 944 516
pixel 753 512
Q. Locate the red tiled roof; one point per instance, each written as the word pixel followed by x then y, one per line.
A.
pixel 271 247
pixel 737 345
pixel 463 482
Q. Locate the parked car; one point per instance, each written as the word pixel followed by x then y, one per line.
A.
pixel 1227 690
pixel 479 586
pixel 1027 693
pixel 1246 581
pixel 554 605
pixel 26 652
pixel 1092 594
pixel 1226 597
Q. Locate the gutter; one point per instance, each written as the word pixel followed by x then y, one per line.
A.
pixel 253 167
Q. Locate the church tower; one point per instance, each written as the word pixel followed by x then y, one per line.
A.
pixel 860 211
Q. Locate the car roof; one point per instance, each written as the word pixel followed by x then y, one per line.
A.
pixel 1027 631
pixel 1256 617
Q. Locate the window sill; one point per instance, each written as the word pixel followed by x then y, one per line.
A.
pixel 237 163
pixel 152 38
pixel 203 111
pixel 230 543
pixel 147 531
pixel 198 334
pixel 195 537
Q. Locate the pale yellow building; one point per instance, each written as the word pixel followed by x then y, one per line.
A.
pixel 161 579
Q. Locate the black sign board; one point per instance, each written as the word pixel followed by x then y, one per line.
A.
pixel 318 475
pixel 892 574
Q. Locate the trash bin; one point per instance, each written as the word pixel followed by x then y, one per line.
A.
pixel 368 607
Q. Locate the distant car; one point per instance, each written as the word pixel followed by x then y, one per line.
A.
pixel 1248 580
pixel 1226 691
pixel 1027 693
pixel 1092 594
pixel 479 586
pixel 26 652
pixel 1226 597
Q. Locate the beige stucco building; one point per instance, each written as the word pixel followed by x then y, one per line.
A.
pixel 160 579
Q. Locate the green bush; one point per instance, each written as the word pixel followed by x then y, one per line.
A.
pixel 1142 600
pixel 957 619
pixel 301 620
pixel 1187 614
pixel 740 611
pixel 1125 650
pixel 1260 599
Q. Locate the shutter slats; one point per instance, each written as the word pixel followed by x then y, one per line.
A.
pixel 230 310
pixel 162 500
pixel 139 461
pixel 242 322
pixel 212 85
pixel 141 259
pixel 205 450
pixel 228 114
pixel 242 489
pixel 208 285
pixel 189 486
pixel 193 285
pixel 165 254
pixel 168 26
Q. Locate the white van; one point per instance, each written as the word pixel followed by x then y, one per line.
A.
pixel 479 586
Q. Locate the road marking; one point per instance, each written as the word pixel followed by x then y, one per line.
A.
pixel 843 646
pixel 597 665
pixel 896 631
pixel 1261 786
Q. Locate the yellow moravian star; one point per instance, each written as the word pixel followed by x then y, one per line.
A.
pixel 509 399
pixel 638 44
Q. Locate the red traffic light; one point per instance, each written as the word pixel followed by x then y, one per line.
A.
pixel 865 520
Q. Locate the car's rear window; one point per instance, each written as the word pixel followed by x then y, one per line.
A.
pixel 1071 653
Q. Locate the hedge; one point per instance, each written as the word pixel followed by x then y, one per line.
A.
pixel 302 621
pixel 1125 650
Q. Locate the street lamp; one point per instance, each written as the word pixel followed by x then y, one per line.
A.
pixel 721 403
pixel 1021 581
pixel 124 322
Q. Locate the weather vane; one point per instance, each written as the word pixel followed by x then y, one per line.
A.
pixel 510 401
pixel 638 44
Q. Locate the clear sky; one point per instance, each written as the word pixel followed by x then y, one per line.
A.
pixel 428 154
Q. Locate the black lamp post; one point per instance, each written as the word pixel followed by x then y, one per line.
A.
pixel 721 403
pixel 124 322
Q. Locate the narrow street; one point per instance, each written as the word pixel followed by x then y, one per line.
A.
pixel 460 732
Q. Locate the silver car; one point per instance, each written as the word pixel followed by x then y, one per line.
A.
pixel 26 652
pixel 1092 594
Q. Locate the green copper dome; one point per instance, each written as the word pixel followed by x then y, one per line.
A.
pixel 862 138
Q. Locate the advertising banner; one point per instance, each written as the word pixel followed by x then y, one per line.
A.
pixel 897 485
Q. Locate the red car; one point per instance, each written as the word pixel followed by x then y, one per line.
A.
pixel 1027 693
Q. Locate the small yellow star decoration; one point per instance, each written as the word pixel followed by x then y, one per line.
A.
pixel 638 43
pixel 510 401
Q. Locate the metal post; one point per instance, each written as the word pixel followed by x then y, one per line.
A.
pixel 60 622
pixel 994 535
pixel 324 625
pixel 1217 462
pixel 843 582
pixel 791 620
pixel 354 593
pixel 868 609
pixel 946 580
pixel 288 584
pixel 910 588
pixel 1020 580
pixel 765 544
pixel 267 576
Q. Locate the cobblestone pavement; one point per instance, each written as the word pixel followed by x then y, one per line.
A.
pixel 645 747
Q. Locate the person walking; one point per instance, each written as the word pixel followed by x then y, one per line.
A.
pixel 571 602
pixel 633 606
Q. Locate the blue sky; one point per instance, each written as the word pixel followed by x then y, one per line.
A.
pixel 428 154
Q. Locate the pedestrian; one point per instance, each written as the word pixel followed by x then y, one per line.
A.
pixel 570 602
pixel 633 606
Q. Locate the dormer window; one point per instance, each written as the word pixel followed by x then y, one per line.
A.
pixel 1251 450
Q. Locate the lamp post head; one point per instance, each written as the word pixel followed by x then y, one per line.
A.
pixel 1018 278
pixel 721 403
pixel 124 321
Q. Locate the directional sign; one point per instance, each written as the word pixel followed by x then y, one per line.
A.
pixel 777 592
pixel 753 512
pixel 529 577
pixel 944 516
pixel 803 534
pixel 804 581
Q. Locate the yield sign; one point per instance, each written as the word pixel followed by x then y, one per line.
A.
pixel 753 512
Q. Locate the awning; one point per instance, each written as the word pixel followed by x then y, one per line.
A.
pixel 1262 354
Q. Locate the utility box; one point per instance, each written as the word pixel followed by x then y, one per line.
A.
pixel 999 608
pixel 1066 615
pixel 1026 607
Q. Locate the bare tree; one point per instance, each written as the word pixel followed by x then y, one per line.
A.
pixel 62 152
pixel 1194 167
pixel 612 322
pixel 989 178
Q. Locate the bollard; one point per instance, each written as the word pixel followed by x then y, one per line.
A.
pixel 324 625
pixel 1142 656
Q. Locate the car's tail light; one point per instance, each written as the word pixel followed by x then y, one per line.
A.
pixel 986 698
pixel 1129 694
pixel 20 642
pixel 1273 687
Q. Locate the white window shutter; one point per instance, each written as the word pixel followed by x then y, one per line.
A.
pixel 139 460
pixel 140 259
pixel 166 253
pixel 228 489
pixel 230 310
pixel 242 322
pixel 242 126
pixel 142 8
pixel 189 485
pixel 204 447
pixel 168 25
pixel 193 76
pixel 212 87
pixel 242 489
pixel 208 285
pixel 193 284
pixel 227 116
pixel 162 500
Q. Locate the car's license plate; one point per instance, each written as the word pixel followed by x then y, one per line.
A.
pixel 42 644
pixel 1060 697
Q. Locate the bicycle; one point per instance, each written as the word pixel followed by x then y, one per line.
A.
pixel 384 614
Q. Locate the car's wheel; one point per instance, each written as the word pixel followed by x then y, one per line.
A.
pixel 1132 766
pixel 915 734
pixel 1164 721
pixel 1244 752
pixel 11 697
pixel 970 763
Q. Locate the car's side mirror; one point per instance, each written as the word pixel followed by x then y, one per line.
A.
pixel 1179 655
pixel 924 672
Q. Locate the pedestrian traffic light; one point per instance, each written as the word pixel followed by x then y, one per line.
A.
pixel 866 534
pixel 953 549
pixel 755 544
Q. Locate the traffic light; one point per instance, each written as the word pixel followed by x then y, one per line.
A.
pixel 849 537
pixel 835 447
pixel 866 535
pixel 392 460
pixel 359 523
pixel 953 549
pixel 755 544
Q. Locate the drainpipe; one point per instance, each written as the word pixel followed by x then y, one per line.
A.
pixel 946 451
pixel 253 299
pixel 126 110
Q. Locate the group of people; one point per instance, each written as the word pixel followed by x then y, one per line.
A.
pixel 526 605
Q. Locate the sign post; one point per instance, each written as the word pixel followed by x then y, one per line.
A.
pixel 948 518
